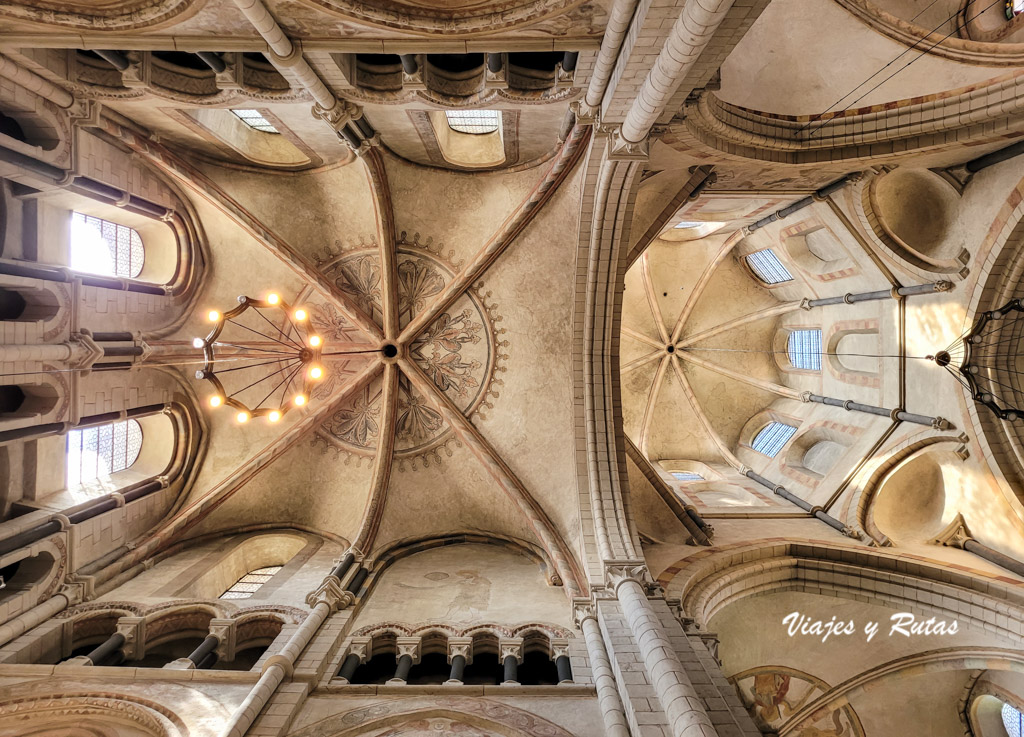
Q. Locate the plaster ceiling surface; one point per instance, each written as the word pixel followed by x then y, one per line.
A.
pixel 658 303
pixel 498 354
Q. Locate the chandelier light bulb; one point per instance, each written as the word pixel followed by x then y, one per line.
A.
pixel 316 372
pixel 274 416
pixel 198 343
pixel 214 316
pixel 314 340
pixel 242 417
pixel 300 399
pixel 273 299
pixel 300 315
pixel 216 400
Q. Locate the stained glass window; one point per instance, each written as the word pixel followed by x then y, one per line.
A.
pixel 255 120
pixel 473 121
pixel 767 267
pixel 250 583
pixel 96 452
pixel 101 247
pixel 804 349
pixel 1013 721
pixel 686 476
pixel 772 437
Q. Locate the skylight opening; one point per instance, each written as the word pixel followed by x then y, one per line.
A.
pixel 101 247
pixel 804 349
pixel 94 453
pixel 474 122
pixel 772 437
pixel 767 267
pixel 250 583
pixel 255 120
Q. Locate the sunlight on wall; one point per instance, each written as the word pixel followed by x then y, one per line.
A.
pixel 990 517
pixel 933 326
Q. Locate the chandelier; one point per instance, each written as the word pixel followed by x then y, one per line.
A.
pixel 985 360
pixel 262 358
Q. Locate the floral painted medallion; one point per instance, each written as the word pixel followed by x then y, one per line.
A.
pixel 460 352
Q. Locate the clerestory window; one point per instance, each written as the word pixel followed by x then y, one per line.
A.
pixel 1013 721
pixel 767 267
pixel 94 453
pixel 804 349
pixel 101 247
pixel 255 120
pixel 250 583
pixel 686 476
pixel 772 437
pixel 475 122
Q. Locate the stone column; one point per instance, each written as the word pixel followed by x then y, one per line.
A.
pixel 460 652
pixel 560 654
pixel 326 599
pixel 679 700
pixel 357 654
pixel 511 656
pixel 101 652
pixel 956 535
pixel 939 423
pixel 894 293
pixel 408 653
pixel 607 693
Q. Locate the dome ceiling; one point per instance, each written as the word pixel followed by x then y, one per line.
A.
pixel 676 293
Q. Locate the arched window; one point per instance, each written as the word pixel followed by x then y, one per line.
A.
pixel 255 120
pixel 686 476
pixel 1013 720
pixel 473 121
pixel 101 247
pixel 250 583
pixel 772 437
pixel 804 349
pixel 767 267
pixel 96 452
pixel 688 224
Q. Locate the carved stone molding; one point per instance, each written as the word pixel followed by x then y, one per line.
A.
pixel 955 535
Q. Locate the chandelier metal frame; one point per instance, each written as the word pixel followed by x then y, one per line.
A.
pixel 302 355
pixel 960 359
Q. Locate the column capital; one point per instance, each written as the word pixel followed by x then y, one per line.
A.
pixel 339 115
pixel 360 647
pixel 460 646
pixel 619 149
pixel 224 630
pixel 330 592
pixel 618 573
pixel 582 610
pixel 511 646
pixel 134 631
pixel 559 647
pixel 586 115
pixel 955 535
pixel 409 646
